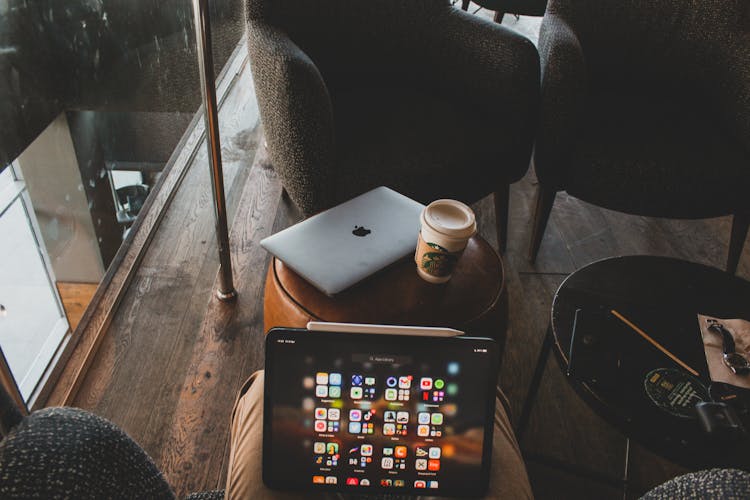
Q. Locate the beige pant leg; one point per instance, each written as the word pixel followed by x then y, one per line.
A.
pixel 508 478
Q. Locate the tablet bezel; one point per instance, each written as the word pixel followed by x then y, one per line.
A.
pixel 475 489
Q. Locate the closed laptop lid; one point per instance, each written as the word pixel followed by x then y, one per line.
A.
pixel 337 248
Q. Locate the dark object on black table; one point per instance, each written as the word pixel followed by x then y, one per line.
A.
pixel 646 110
pixel 720 421
pixel 595 354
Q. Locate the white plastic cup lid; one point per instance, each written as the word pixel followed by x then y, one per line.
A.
pixel 450 218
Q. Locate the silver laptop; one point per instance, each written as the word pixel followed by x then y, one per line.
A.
pixel 343 245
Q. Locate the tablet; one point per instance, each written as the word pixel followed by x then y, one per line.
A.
pixel 367 413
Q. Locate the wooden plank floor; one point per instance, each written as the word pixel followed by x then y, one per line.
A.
pixel 174 357
pixel 75 298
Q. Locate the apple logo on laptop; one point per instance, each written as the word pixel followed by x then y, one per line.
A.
pixel 361 231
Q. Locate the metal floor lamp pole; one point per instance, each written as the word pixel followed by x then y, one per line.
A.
pixel 226 291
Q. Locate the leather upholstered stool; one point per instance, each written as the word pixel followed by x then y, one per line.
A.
pixel 474 300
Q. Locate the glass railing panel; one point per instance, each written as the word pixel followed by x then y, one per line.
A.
pixel 95 97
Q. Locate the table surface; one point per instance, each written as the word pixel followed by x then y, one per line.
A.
pixel 397 295
pixel 662 296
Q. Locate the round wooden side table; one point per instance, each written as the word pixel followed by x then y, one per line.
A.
pixel 474 300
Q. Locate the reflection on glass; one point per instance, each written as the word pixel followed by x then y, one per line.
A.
pixel 32 314
pixel 94 98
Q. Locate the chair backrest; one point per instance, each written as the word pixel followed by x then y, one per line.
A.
pixel 352 39
pixel 672 43
pixel 71 453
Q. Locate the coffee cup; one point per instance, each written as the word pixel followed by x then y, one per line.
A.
pixel 446 228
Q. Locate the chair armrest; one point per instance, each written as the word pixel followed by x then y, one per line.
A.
pixel 563 95
pixel 490 68
pixel 297 116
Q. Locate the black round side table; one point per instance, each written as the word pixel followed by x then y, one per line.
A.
pixel 661 297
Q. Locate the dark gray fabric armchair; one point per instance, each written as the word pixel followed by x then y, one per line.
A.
pixel 727 484
pixel 646 110
pixel 415 95
pixel 71 453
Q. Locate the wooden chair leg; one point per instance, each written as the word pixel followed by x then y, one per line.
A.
pixel 545 198
pixel 499 16
pixel 502 200
pixel 740 224
pixel 465 4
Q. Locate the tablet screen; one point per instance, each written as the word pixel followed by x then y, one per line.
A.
pixel 378 413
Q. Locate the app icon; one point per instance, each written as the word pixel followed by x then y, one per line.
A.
pixel 355 427
pixel 399 483
pixel 355 415
pixel 402 417
pixel 332 448
pixel 403 394
pixel 321 378
pixel 400 452
pixel 320 413
pixel 421 452
pixel 387 452
pixel 439 384
pixel 437 419
pixel 404 382
pixel 423 418
pixel 391 394
pixel 386 483
pixel 386 463
pixel 425 383
pixel 334 392
pixel 321 391
pixel 369 380
pixel 369 393
pixel 452 389
pixel 320 426
pixel 435 452
pixel 308 383
pixel 433 465
pixel 438 396
pixel 432 484
pixel 331 480
pixel 367 415
pixel 334 379
pixel 319 480
pixel 391 382
pixel 334 414
pixel 356 393
pixel 389 416
pixel 454 368
pixel 421 464
pixel 364 482
pixel 352 481
pixel 357 380
pixel 420 484
pixel 423 430
pixel 319 448
pixel 389 429
pixel 366 450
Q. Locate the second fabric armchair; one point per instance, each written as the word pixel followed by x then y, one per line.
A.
pixel 418 96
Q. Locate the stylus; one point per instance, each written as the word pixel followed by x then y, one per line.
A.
pixel 322 326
